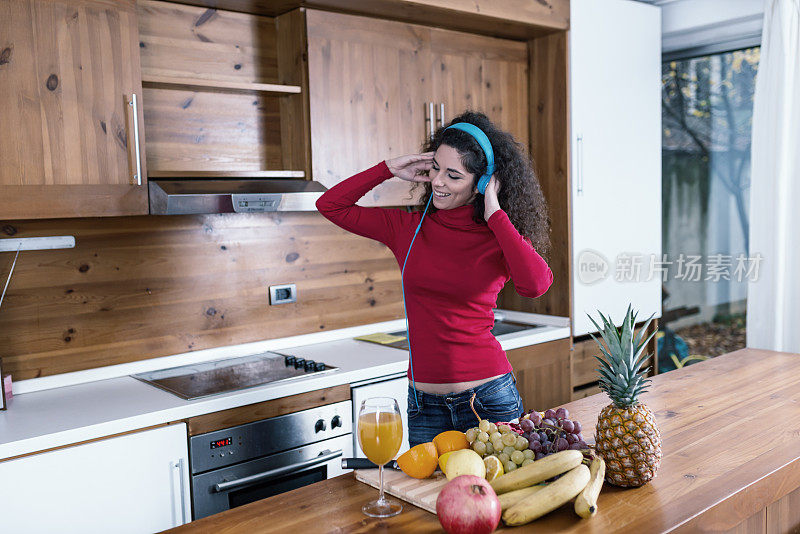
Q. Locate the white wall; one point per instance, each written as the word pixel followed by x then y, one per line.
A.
pixel 695 23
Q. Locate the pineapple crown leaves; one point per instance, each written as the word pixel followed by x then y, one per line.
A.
pixel 620 375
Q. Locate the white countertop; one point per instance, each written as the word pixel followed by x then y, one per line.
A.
pixel 61 416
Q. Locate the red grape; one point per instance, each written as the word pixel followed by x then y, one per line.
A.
pixel 527 425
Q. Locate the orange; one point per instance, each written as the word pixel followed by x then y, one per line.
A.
pixel 450 440
pixel 419 461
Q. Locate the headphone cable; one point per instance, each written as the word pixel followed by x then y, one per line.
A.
pixel 405 311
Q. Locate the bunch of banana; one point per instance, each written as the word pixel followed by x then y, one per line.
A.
pixel 523 498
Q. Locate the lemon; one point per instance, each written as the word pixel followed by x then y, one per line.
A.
pixel 464 462
pixel 443 460
pixel 494 468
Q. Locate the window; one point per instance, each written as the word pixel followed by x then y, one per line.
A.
pixel 707 109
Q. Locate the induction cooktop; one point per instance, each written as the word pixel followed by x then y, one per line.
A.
pixel 211 378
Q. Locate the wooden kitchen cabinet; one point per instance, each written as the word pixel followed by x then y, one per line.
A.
pixel 482 73
pixel 371 82
pixel 136 483
pixel 543 374
pixel 68 138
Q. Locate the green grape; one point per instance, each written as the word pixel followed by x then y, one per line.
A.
pixel 517 457
pixel 527 461
pixel 503 428
pixel 484 425
pixel 494 436
pixel 490 448
pixel 492 428
pixel 509 451
pixel 483 436
pixel 498 444
pixel 529 454
pixel 509 466
pixel 521 443
pixel 503 457
pixel 480 447
pixel 472 434
pixel 509 439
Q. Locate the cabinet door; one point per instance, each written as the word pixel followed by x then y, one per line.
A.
pixel 396 388
pixel 133 483
pixel 484 74
pixel 543 374
pixel 368 88
pixel 615 57
pixel 67 140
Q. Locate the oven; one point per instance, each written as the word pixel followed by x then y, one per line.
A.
pixel 242 464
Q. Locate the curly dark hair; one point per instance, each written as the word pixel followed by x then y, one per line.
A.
pixel 520 194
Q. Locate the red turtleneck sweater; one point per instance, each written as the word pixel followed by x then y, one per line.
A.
pixel 453 275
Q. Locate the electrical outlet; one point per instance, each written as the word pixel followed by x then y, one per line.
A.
pixel 283 294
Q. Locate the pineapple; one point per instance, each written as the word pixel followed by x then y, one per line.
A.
pixel 627 436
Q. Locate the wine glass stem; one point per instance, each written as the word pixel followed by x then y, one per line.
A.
pixel 380 496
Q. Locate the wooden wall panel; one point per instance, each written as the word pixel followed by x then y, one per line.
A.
pixel 549 130
pixel 135 288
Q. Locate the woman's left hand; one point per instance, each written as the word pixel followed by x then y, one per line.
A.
pixel 490 202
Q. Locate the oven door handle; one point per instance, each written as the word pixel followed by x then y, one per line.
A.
pixel 274 473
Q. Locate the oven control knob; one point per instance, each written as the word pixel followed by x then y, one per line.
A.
pixel 299 362
pixel 320 425
pixel 336 422
pixel 289 360
pixel 309 365
pixel 319 366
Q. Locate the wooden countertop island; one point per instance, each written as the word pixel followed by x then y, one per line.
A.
pixel 731 442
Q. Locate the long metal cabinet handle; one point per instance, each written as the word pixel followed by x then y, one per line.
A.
pixel 274 473
pixel 179 466
pixel 579 178
pixel 134 105
pixel 441 114
pixel 431 124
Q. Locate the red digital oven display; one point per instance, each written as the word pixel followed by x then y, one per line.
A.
pixel 221 443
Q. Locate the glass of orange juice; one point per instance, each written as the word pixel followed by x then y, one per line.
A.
pixel 380 433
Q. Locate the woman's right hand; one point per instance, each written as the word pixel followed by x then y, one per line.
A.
pixel 413 168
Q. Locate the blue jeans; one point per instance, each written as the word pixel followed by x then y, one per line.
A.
pixel 428 415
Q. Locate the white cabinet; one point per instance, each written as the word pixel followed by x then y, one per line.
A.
pixel 396 388
pixel 136 483
pixel 615 92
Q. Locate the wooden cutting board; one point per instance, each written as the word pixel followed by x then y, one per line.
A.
pixel 419 492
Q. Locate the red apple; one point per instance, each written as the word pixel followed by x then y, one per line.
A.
pixel 468 505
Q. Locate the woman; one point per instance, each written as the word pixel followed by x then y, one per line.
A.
pixel 466 246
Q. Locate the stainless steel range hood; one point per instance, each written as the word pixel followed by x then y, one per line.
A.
pixel 183 197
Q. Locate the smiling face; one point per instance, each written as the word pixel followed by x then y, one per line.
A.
pixel 453 186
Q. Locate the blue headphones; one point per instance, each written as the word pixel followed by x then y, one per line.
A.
pixel 483 141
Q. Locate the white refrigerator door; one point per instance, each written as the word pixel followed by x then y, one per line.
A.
pixel 615 87
pixel 396 388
